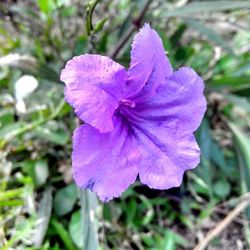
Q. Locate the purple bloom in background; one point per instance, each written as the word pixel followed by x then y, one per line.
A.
pixel 139 121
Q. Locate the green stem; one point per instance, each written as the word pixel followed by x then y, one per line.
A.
pixel 90 237
pixel 90 11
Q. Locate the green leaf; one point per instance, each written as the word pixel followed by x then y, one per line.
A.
pixel 43 215
pixel 222 188
pixel 204 139
pixel 210 34
pixel 218 158
pixel 130 208
pixel 99 25
pixel 37 170
pixel 243 90
pixel 76 229
pixel 169 243
pixel 46 6
pixel 172 240
pixel 230 81
pixel 80 45
pixel 69 11
pixel 47 72
pixel 199 184
pixel 150 211
pixel 6 117
pixel 57 136
pixel 206 7
pixel 65 199
pixel 41 172
pixel 205 142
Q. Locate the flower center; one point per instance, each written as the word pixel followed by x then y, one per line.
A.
pixel 127 103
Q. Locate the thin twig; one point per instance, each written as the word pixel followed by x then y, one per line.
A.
pixel 122 42
pixel 136 24
pixel 245 201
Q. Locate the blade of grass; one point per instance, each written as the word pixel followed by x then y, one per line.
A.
pixel 10 194
pixel 232 81
pixel 243 152
pixel 210 34
pixel 63 234
pixel 11 203
pixel 206 7
pixel 243 142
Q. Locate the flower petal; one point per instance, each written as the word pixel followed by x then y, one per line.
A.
pixel 179 104
pixel 94 86
pixel 105 163
pixel 165 158
pixel 149 65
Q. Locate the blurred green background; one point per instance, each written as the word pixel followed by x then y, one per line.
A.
pixel 40 206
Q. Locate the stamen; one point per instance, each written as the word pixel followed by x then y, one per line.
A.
pixel 128 103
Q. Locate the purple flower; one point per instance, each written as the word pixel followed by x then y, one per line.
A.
pixel 139 121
